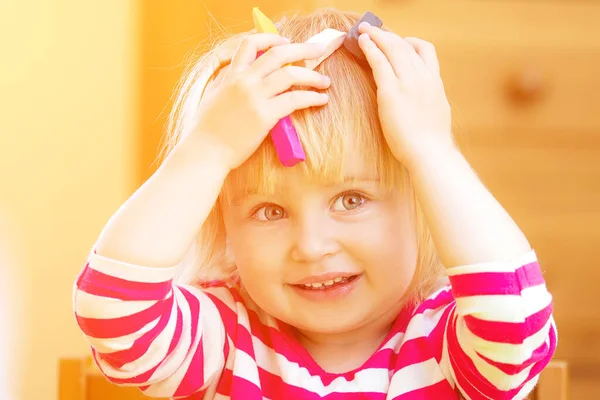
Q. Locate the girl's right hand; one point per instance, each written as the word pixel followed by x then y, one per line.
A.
pixel 238 112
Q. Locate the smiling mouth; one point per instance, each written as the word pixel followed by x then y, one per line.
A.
pixel 330 284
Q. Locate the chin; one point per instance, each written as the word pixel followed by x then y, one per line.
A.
pixel 327 320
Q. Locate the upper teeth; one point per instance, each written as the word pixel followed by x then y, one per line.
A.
pixel 324 284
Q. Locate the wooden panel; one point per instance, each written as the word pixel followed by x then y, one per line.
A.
pixel 98 388
pixel 521 87
pixel 547 23
pixel 553 382
pixel 70 379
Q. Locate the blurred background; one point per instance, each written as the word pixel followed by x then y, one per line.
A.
pixel 85 88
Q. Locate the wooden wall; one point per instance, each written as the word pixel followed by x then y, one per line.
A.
pixel 523 78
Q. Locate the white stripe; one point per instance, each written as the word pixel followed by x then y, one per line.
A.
pixel 527 388
pixel 369 380
pixel 155 353
pixel 245 367
pixel 473 388
pixel 535 299
pixel 415 376
pixel 505 308
pixel 445 364
pixel 111 345
pixel 92 306
pixel 422 324
pixel 502 352
pixel 494 266
pixel 130 272
pixel 213 338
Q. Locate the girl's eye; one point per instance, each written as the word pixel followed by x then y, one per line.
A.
pixel 269 213
pixel 348 202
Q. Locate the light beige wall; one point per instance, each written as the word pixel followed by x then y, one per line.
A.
pixel 67 128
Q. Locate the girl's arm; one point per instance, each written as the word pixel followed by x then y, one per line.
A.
pixel 168 340
pixel 156 225
pixel 171 340
pixel 467 223
pixel 500 334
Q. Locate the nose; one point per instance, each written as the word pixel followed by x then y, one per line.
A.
pixel 315 239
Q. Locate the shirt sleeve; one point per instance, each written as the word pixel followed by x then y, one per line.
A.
pixel 501 333
pixel 168 340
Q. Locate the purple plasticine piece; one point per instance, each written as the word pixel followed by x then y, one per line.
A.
pixel 286 142
pixel 351 39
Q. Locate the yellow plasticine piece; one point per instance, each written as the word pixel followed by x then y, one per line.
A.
pixel 262 23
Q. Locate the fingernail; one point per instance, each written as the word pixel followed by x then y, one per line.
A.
pixel 324 97
pixel 364 24
pixel 326 79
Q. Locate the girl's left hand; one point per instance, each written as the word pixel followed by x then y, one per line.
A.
pixel 413 108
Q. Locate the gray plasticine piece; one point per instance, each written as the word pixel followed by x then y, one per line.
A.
pixel 351 40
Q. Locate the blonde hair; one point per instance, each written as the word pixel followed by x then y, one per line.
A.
pixel 349 117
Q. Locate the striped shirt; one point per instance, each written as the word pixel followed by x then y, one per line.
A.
pixel 487 335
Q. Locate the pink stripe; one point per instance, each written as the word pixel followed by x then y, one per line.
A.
pixel 440 390
pixel 497 283
pixel 142 378
pixel 194 376
pixel 509 332
pixel 512 369
pixel 442 299
pixel 288 347
pixel 243 389
pixel 139 347
pixel 423 348
pixel 197 396
pixel 270 336
pixel 97 283
pixel 470 379
pixel 224 385
pixel 117 327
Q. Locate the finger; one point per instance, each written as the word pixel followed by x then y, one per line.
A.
pixel 286 77
pixel 381 67
pixel 288 102
pixel 426 51
pixel 276 57
pixel 250 46
pixel 400 53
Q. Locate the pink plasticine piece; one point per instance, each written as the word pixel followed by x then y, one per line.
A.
pixel 285 139
pixel 286 142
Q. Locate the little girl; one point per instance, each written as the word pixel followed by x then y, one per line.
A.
pixel 321 280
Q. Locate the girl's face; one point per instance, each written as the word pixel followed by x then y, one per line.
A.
pixel 324 258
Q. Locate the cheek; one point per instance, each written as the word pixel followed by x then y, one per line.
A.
pixel 387 245
pixel 258 254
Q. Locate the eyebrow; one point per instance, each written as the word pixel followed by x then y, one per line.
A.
pixel 237 200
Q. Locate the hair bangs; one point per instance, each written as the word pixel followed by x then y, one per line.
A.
pixel 330 135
